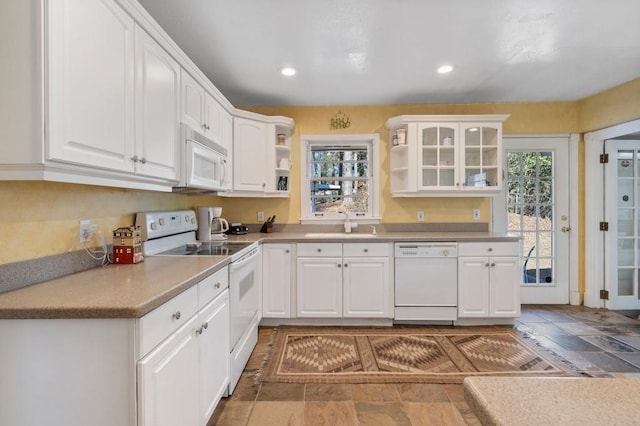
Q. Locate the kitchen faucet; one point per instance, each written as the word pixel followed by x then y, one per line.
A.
pixel 348 226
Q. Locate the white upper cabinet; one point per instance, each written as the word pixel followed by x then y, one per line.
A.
pixel 91 83
pixel 97 94
pixel 249 168
pixel 201 111
pixel 157 103
pixel 441 155
pixel 261 156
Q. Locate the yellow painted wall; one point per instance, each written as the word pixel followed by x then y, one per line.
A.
pixel 614 106
pixel 41 218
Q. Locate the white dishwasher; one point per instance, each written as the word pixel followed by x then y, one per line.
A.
pixel 426 281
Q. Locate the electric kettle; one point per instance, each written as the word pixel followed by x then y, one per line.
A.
pixel 211 226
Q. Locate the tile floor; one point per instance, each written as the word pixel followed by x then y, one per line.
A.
pixel 597 342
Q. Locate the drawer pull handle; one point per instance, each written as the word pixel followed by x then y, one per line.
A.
pixel 217 285
pixel 366 250
pixel 319 250
pixel 286 251
pixel 202 328
pixel 177 315
pixel 490 249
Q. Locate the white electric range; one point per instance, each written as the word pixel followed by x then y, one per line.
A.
pixel 173 233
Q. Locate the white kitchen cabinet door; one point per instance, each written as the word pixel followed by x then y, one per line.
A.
pixel 213 336
pixel 157 109
pixel 168 381
pixel 473 287
pixel 276 280
pixel 213 113
pixel 504 295
pixel 227 142
pixel 366 287
pixel 319 286
pixel 91 83
pixel 193 102
pixel 249 154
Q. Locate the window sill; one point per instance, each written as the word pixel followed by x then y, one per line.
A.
pixel 339 221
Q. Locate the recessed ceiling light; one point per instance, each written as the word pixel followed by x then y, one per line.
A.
pixel 445 69
pixel 288 71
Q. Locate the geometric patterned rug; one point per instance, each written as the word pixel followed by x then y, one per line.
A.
pixel 402 354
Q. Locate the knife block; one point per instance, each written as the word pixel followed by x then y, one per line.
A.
pixel 267 228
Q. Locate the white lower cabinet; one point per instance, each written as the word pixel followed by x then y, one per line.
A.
pixel 488 280
pixel 276 280
pixel 169 367
pixel 182 380
pixel 344 280
pixel 168 380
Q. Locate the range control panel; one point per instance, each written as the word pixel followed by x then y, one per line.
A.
pixel 160 224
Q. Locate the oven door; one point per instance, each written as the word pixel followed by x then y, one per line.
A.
pixel 244 293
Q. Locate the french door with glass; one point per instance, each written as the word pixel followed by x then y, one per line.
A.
pixel 622 240
pixel 534 204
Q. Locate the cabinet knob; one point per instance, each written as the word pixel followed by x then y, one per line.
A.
pixel 319 250
pixel 490 249
pixel 217 285
pixel 346 264
pixel 205 325
pixel 339 265
pixel 493 264
pixel 177 315
pixel 134 158
pixel 143 160
pixel 486 265
pixel 286 251
pixel 366 250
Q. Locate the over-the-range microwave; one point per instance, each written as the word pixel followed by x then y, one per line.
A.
pixel 204 164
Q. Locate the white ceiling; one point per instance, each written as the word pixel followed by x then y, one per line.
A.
pixel 359 52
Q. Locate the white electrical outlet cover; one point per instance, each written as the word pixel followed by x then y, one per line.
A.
pixel 476 214
pixel 260 216
pixel 420 216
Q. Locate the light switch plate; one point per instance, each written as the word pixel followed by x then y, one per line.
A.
pixel 476 214
pixel 260 216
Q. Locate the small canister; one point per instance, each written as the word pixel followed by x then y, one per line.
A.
pixel 281 138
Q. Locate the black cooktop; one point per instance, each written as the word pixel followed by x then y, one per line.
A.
pixel 212 248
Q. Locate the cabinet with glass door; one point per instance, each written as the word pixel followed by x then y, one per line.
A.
pixel 447 155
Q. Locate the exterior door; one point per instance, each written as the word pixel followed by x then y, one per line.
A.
pixel 534 204
pixel 622 241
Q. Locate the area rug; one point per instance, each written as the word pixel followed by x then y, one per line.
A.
pixel 398 354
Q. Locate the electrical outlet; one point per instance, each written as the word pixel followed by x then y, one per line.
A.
pixel 476 214
pixel 86 229
pixel 420 216
pixel 260 216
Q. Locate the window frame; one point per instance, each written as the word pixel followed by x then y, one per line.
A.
pixel 372 141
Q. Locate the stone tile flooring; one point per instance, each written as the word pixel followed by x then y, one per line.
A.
pixel 597 342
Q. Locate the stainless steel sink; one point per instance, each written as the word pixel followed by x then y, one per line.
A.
pixel 338 235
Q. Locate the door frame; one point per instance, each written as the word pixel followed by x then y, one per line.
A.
pixel 594 278
pixel 573 140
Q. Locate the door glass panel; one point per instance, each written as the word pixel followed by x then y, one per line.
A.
pixel 627 235
pixel 530 205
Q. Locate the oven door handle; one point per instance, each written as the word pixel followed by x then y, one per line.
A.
pixel 234 266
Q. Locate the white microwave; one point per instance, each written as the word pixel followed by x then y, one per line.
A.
pixel 204 164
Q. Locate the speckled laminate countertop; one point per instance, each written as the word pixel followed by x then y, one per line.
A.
pixel 131 291
pixel 114 291
pixel 523 401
